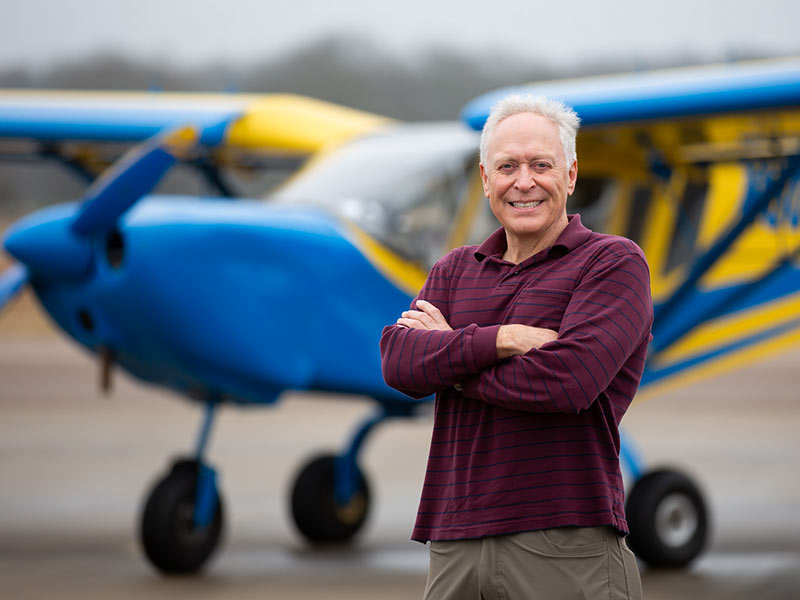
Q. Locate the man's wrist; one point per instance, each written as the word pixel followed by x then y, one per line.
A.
pixel 516 339
pixel 505 343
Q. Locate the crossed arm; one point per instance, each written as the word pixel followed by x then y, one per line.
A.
pixel 512 340
pixel 605 328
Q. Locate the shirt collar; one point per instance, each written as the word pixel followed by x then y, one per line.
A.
pixel 574 234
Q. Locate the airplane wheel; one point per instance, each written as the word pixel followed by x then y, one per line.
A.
pixel 169 537
pixel 317 514
pixel 667 518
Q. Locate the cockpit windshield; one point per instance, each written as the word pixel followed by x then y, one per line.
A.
pixel 402 186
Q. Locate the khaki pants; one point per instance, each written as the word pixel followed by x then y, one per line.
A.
pixel 554 564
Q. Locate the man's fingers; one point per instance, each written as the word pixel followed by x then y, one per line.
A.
pixel 415 320
pixel 434 314
pixel 411 323
pixel 418 315
pixel 430 309
pixel 427 317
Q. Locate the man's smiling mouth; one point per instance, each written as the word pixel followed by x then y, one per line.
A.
pixel 532 204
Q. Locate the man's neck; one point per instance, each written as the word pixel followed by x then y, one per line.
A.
pixel 520 248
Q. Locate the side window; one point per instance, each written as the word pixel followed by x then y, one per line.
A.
pixel 484 225
pixel 594 200
pixel 687 225
pixel 640 203
pixel 420 229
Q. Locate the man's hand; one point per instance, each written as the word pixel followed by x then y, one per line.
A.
pixel 512 340
pixel 426 317
pixel 516 340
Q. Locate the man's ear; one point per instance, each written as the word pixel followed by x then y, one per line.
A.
pixel 485 180
pixel 573 177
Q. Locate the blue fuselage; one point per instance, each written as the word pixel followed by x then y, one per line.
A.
pixel 232 300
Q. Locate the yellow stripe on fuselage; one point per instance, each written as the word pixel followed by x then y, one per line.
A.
pixel 407 276
pixel 465 218
pixel 730 329
pixel 737 358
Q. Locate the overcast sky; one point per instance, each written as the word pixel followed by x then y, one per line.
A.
pixel 35 33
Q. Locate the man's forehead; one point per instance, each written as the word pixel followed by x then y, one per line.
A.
pixel 526 129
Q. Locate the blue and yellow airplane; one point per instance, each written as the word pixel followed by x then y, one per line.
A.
pixel 235 302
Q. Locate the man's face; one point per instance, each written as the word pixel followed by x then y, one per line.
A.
pixel 527 179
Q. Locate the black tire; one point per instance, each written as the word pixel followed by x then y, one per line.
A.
pixel 316 513
pixel 668 519
pixel 169 538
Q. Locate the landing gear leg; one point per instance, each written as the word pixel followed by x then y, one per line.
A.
pixel 182 521
pixel 331 496
pixel 666 513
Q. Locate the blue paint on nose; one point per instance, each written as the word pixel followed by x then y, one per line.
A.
pixel 46 245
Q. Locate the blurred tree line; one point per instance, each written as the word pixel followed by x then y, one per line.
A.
pixel 431 84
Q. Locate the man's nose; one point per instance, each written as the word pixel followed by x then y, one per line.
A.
pixel 525 179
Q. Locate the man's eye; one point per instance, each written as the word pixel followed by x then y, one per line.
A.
pixel 505 167
pixel 541 166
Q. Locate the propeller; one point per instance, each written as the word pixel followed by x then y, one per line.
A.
pixel 54 244
pixel 11 282
pixel 133 176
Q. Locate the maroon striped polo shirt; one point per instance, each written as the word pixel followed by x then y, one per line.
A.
pixel 530 442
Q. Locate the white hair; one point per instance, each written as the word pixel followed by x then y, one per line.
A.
pixel 562 116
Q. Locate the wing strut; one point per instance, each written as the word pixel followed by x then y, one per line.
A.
pixel 664 334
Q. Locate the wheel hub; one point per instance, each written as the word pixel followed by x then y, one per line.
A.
pixel 186 531
pixel 353 511
pixel 676 520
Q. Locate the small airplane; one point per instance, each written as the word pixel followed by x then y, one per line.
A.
pixel 236 301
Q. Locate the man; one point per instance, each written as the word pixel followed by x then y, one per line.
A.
pixel 534 344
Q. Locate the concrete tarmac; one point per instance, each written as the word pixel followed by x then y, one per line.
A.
pixel 75 467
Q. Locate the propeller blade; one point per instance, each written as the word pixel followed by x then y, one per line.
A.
pixel 133 176
pixel 49 249
pixel 11 282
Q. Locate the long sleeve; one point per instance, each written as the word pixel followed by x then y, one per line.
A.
pixel 419 362
pixel 602 341
pixel 530 442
